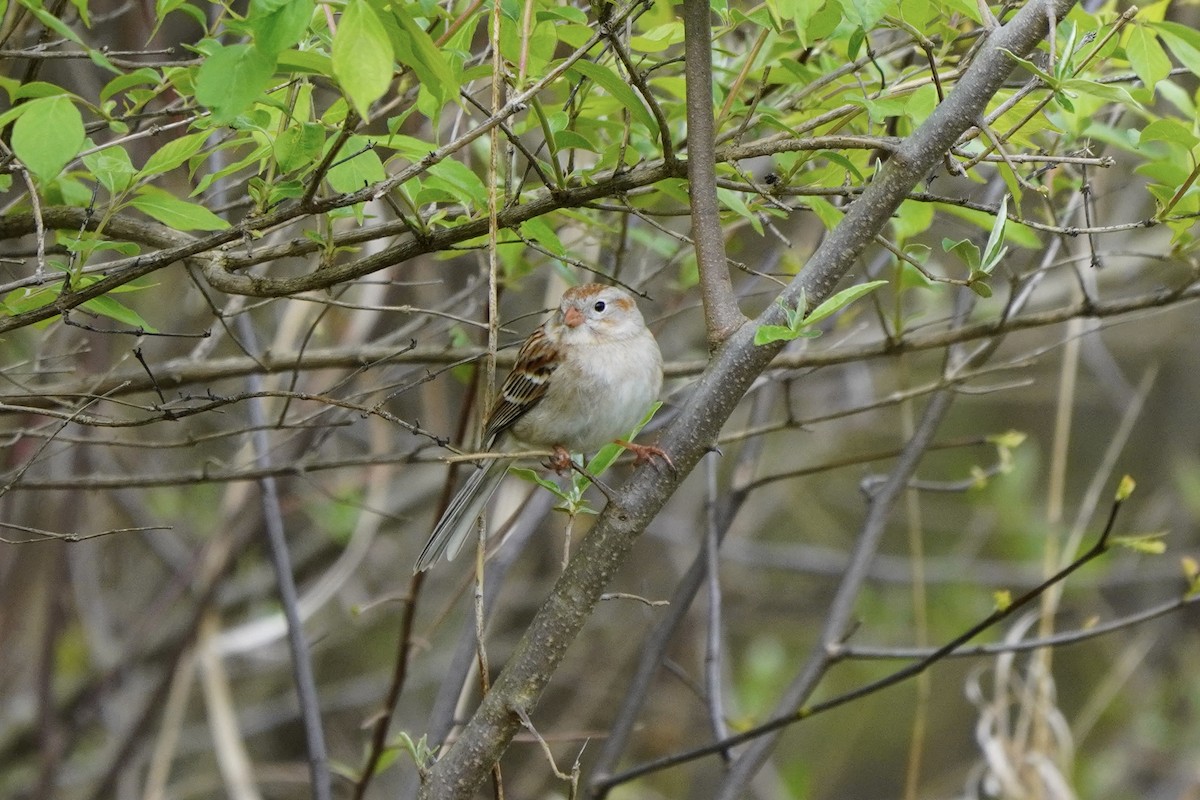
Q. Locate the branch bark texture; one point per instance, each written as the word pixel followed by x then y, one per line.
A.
pixel 733 367
pixel 721 313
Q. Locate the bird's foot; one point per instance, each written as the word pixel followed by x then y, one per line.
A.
pixel 560 461
pixel 646 454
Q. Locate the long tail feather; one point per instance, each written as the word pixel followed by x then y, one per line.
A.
pixel 458 522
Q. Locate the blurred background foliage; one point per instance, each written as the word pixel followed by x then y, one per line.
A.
pixel 217 213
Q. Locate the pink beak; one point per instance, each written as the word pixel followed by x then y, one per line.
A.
pixel 573 317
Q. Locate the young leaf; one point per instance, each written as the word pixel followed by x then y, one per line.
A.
pixel 232 78
pixel 542 233
pixel 1046 77
pixel 107 306
pixel 1149 543
pixel 1002 598
pixel 47 135
pixel 995 249
pixel 362 56
pixel 801 325
pixel 358 166
pixel 179 214
pixel 415 49
pixel 531 475
pixel 618 88
pixel 278 24
pixel 1170 131
pixel 840 300
pixel 112 167
pixel 964 249
pixel 1125 488
pixel 773 333
pixel 173 154
pixel 1184 43
pixel 299 145
pixel 979 286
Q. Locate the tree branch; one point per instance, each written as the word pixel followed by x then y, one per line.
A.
pixel 721 313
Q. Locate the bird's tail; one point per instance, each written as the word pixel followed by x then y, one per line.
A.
pixel 458 521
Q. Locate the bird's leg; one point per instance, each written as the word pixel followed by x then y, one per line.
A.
pixel 646 453
pixel 560 462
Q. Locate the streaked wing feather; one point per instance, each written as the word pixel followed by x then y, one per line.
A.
pixel 524 386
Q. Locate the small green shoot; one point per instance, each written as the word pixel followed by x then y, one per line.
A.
pixel 1005 443
pixel 982 265
pixel 1149 543
pixel 1125 488
pixel 800 325
pixel 1191 571
pixel 1002 598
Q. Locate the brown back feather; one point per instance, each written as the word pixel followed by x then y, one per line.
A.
pixel 524 386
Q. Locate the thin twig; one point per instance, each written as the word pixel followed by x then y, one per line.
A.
pixel 306 689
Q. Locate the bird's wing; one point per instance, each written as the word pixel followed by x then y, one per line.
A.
pixel 524 386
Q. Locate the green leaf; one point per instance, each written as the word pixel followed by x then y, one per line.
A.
pixel 911 219
pixel 47 135
pixel 18 301
pixel 1146 56
pixel 734 202
pixel 459 180
pixel 829 214
pixel 174 153
pixel 415 49
pixel 964 249
pixel 1014 232
pixel 1105 91
pixel 1184 43
pixel 53 23
pixel 527 474
pixel 107 306
pixel 573 140
pixel 232 78
pixel 1149 543
pixel 843 162
pixel 179 214
pixel 305 62
pixel 356 167
pixel 1033 68
pixel 1002 598
pixel 141 77
pixel 840 300
pixel 541 232
pixel 658 38
pixel 1125 488
pixel 801 325
pixel 278 24
pixel 32 89
pixel 979 286
pixel 299 145
pixel 864 13
pixel 604 459
pixel 1169 130
pixel 618 87
pixel 994 250
pixel 112 168
pixel 362 56
pixel 773 333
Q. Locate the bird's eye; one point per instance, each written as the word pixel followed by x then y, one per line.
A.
pixel 600 305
